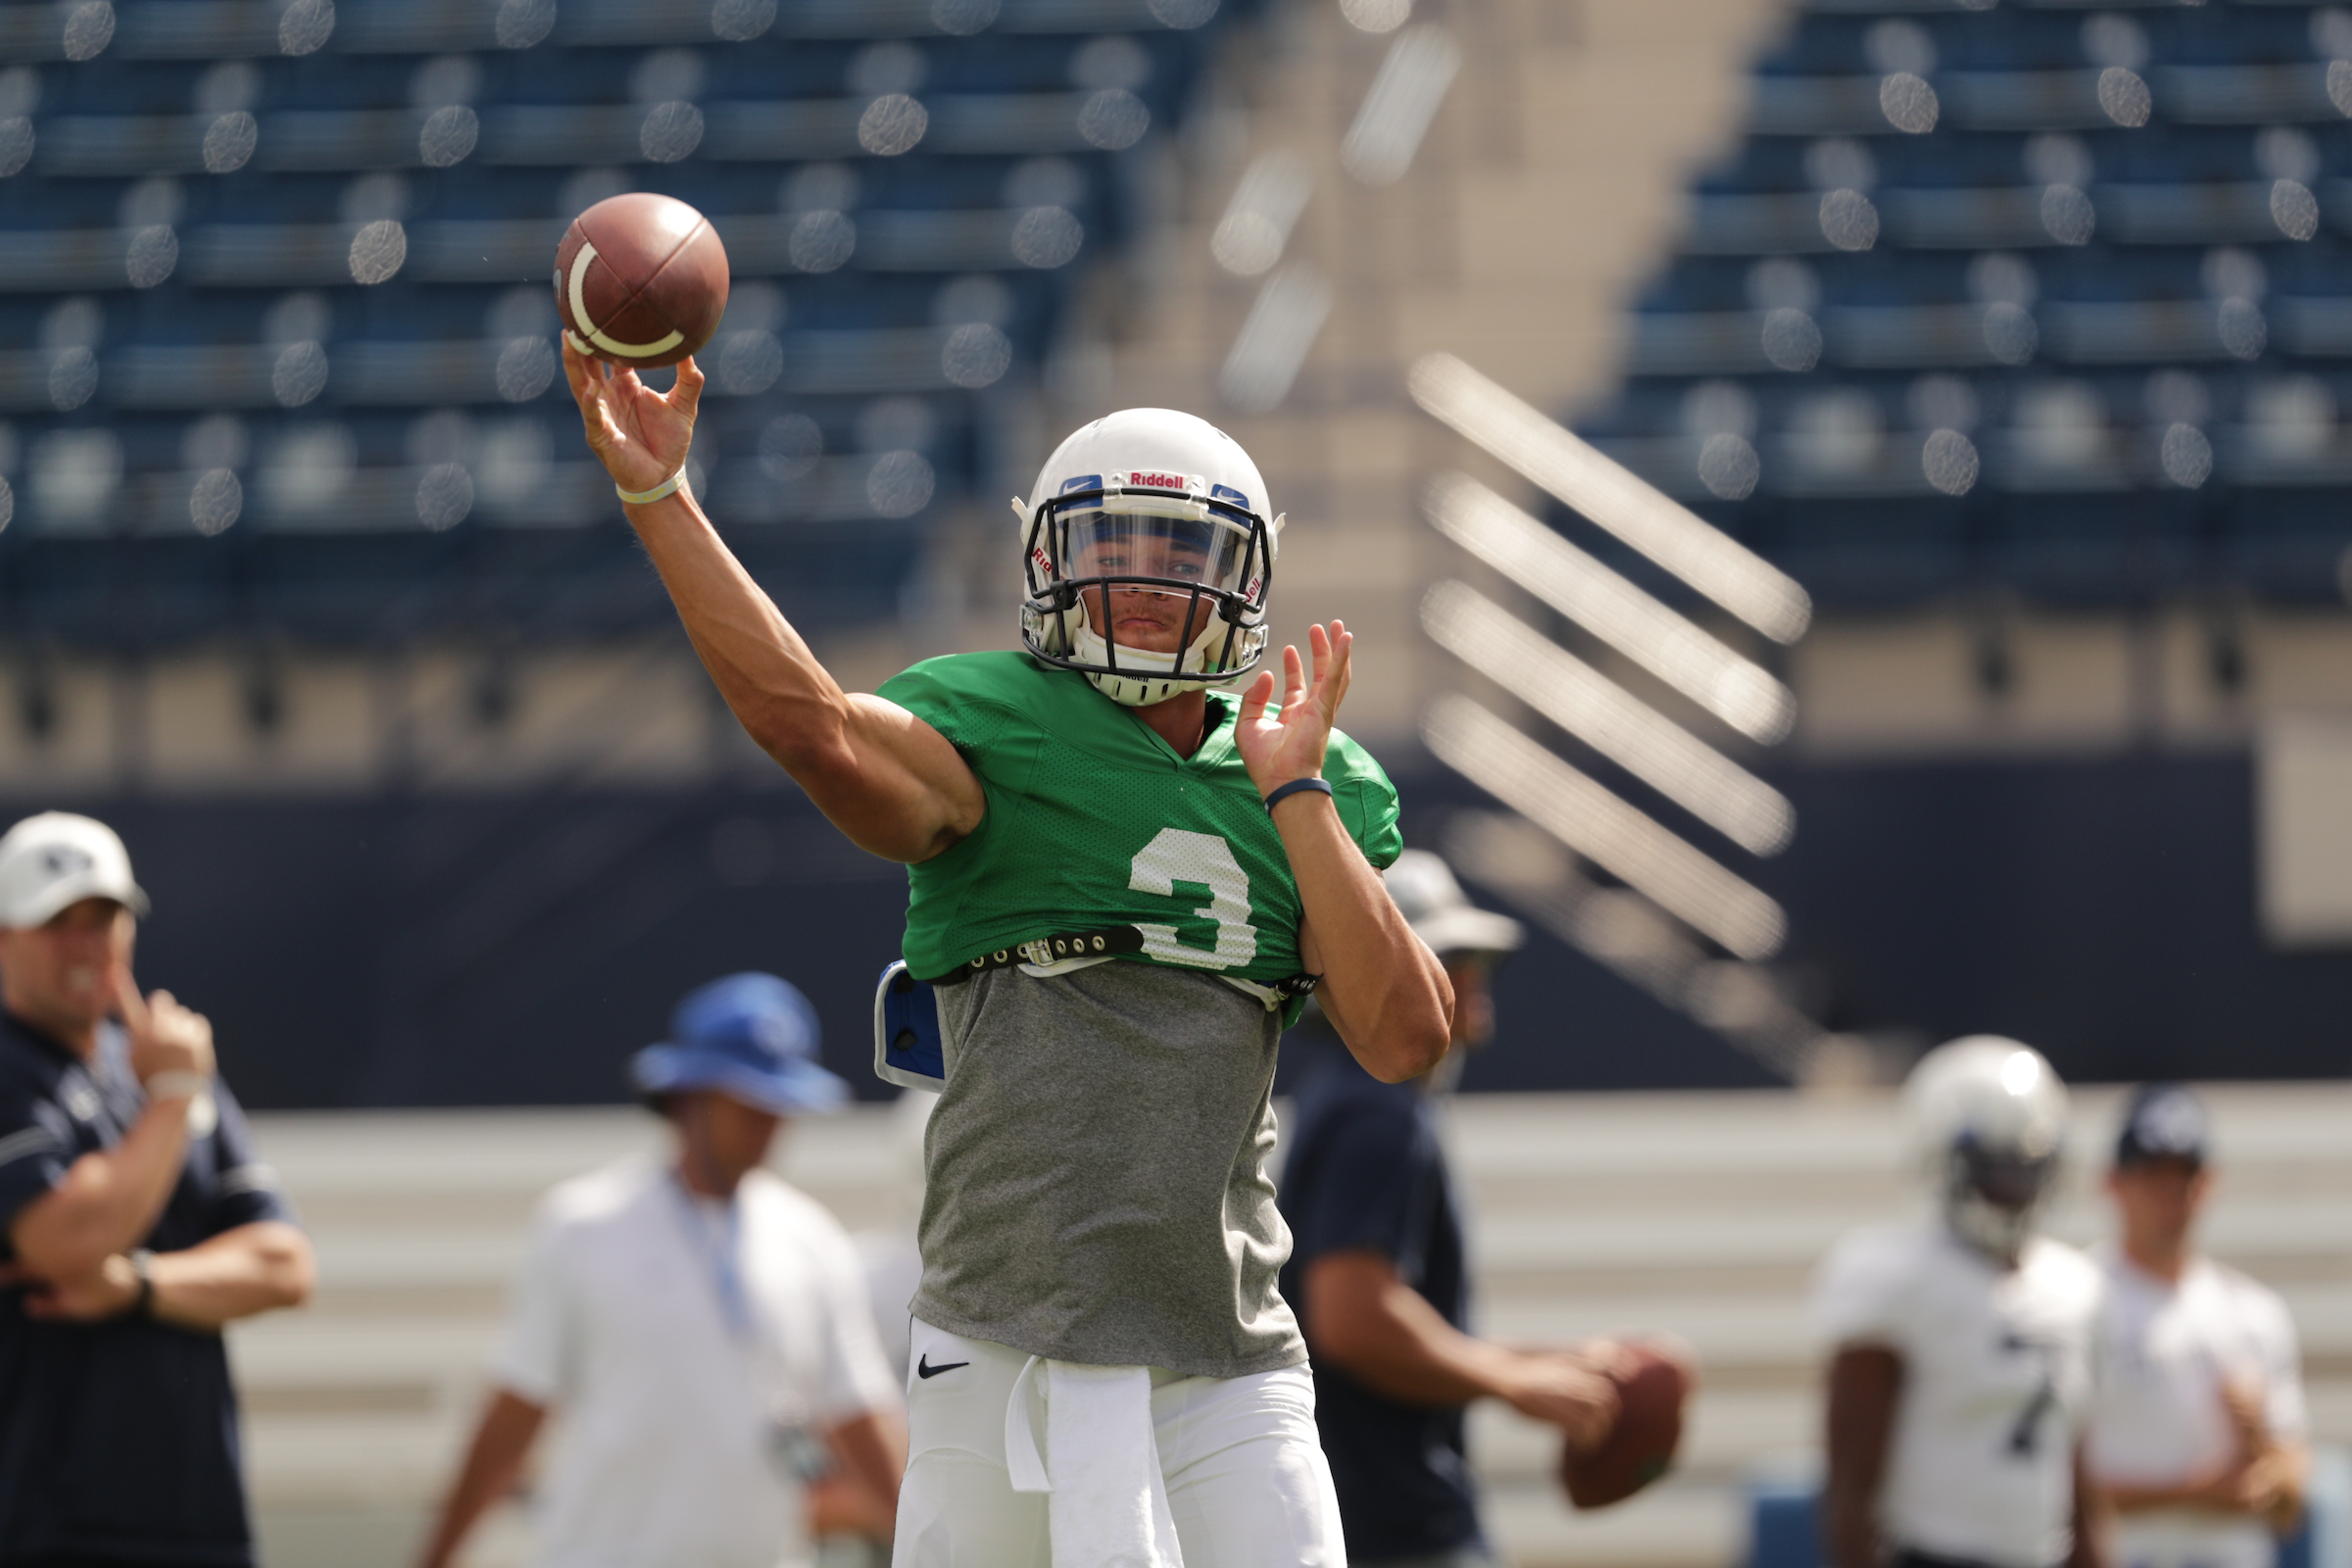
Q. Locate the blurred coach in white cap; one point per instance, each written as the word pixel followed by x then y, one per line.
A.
pixel 138 1221
pixel 2199 1435
pixel 700 1326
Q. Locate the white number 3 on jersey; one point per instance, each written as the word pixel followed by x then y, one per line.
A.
pixel 1204 860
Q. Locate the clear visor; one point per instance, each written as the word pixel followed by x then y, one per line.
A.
pixel 1184 551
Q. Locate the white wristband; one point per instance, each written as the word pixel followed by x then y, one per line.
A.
pixel 178 1086
pixel 668 486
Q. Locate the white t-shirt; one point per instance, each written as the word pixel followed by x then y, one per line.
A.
pixel 894 1271
pixel 1996 1385
pixel 2168 1351
pixel 675 1377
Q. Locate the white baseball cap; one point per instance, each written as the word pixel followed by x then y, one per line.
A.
pixel 55 860
pixel 1433 903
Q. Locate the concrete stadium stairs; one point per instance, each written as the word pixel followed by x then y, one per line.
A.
pixel 1700 1214
pixel 1549 182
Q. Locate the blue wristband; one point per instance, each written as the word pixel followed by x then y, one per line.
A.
pixel 1322 785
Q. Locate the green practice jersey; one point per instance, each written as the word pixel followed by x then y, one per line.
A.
pixel 1094 821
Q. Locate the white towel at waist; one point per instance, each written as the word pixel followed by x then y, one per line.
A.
pixel 1108 1503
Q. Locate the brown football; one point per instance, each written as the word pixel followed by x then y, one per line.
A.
pixel 641 281
pixel 1640 1447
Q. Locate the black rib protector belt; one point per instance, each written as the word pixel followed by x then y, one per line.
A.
pixel 1110 942
pixel 1107 943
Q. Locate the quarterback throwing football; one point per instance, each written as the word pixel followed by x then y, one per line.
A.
pixel 1120 882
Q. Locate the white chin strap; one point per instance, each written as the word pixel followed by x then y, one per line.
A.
pixel 1139 690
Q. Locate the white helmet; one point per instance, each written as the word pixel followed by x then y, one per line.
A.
pixel 1159 502
pixel 1988 1122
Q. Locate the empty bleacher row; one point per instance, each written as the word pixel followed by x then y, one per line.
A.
pixel 277 346
pixel 2044 296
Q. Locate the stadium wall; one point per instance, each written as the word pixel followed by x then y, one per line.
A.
pixel 513 948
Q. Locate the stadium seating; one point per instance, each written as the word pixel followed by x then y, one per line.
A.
pixel 2039 298
pixel 276 345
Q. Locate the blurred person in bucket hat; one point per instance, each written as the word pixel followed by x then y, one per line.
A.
pixel 135 1220
pixel 701 1325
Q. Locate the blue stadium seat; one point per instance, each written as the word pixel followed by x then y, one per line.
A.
pixel 2102 253
pixel 273 291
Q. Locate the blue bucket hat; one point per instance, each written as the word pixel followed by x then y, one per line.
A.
pixel 750 1035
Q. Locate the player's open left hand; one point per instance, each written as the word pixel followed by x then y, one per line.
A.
pixel 640 435
pixel 1280 745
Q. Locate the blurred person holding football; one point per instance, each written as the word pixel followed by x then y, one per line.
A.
pixel 1379 1275
pixel 1963 1346
pixel 139 1221
pixel 700 1326
pixel 1121 879
pixel 2199 1437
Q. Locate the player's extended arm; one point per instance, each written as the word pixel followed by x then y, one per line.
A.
pixel 510 1422
pixel 1866 1381
pixel 109 1200
pixel 1383 989
pixel 1364 1319
pixel 242 1271
pixel 883 776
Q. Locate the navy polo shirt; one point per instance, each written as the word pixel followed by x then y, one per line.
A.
pixel 1365 1172
pixel 117 1439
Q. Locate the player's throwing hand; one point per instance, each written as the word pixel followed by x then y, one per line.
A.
pixel 639 434
pixel 1288 743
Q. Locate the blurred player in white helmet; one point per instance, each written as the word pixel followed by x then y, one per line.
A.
pixel 1962 1348
pixel 1121 881
pixel 2198 1440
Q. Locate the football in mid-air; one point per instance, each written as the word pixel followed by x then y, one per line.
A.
pixel 641 281
pixel 1653 1384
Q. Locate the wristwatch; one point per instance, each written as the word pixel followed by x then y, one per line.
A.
pixel 142 1267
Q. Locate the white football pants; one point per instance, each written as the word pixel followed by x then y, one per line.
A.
pixel 1247 1480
